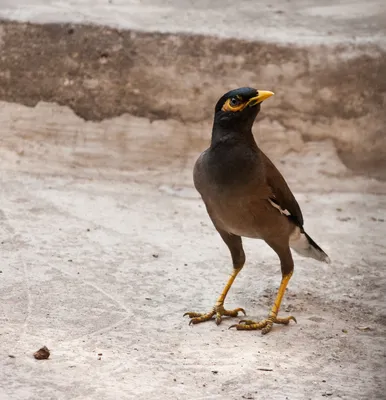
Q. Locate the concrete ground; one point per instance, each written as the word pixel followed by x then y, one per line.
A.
pixel 105 243
pixel 100 260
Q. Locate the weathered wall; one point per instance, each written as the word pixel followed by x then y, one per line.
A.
pixel 322 92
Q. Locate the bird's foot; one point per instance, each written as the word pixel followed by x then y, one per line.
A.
pixel 265 325
pixel 217 312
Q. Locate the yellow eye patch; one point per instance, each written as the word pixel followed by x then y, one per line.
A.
pixel 240 105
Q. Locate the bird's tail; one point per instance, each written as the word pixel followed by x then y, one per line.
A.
pixel 305 246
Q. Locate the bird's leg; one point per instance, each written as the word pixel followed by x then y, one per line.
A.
pixel 238 257
pixel 266 324
pixel 218 310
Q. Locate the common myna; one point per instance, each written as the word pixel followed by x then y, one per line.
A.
pixel 245 195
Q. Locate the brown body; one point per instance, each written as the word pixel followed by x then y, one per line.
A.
pixel 238 210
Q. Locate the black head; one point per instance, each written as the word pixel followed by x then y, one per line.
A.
pixel 238 108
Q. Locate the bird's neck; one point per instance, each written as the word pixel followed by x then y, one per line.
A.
pixel 233 157
pixel 230 136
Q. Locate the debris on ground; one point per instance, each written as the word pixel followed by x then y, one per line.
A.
pixel 42 354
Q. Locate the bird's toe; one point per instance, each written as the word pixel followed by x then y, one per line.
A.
pixel 284 321
pixel 264 325
pixel 218 312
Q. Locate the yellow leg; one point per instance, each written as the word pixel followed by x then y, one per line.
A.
pixel 280 294
pixel 228 285
pixel 218 310
pixel 266 324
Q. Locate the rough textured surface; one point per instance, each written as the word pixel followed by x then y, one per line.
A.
pixel 278 21
pixel 335 92
pixel 105 244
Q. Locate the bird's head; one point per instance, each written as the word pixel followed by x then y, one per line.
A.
pixel 239 108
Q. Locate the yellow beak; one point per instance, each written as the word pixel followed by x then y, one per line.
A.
pixel 262 95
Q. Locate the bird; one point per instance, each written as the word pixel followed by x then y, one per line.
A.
pixel 246 196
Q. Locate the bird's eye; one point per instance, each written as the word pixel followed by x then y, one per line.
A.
pixel 234 101
pixel 234 104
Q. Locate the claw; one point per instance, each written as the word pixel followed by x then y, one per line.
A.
pixel 291 317
pixel 237 310
pixel 284 321
pixel 192 314
pixel 246 321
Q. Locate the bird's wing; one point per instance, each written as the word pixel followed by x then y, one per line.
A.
pixel 282 197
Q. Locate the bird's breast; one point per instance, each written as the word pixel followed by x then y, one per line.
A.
pixel 233 188
pixel 242 213
pixel 231 167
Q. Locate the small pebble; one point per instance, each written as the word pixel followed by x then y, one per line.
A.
pixel 42 354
